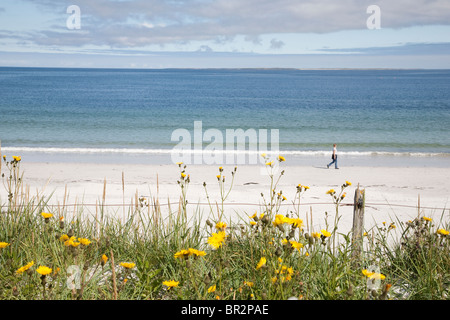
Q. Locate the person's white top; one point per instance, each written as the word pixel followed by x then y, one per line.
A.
pixel 334 150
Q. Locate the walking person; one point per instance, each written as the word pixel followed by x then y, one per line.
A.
pixel 334 157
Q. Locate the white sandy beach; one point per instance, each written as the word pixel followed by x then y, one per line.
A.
pixel 386 189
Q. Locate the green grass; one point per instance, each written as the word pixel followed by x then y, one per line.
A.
pixel 414 259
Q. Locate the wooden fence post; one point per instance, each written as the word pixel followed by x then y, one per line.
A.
pixel 358 224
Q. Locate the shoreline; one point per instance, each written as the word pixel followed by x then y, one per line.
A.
pixel 317 158
pixel 391 192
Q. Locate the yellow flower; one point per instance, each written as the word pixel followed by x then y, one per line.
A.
pixel 373 275
pixel 261 263
pixel 4 245
pixel 325 233
pixel 183 175
pixel 17 158
pixel 263 155
pixel 71 242
pixel 171 283
pixel 316 234
pixel 43 270
pixel 46 215
pixel 218 177
pixel 25 268
pixel 348 183
pixel 221 225
pixel 366 272
pixel 443 232
pixel 128 265
pixel 66 239
pixel 378 276
pixel 104 259
pixel 274 279
pixel 248 283
pixel 269 163
pixel 217 239
pixel 296 245
pixel 281 158
pixel 212 289
pixel 253 223
pixel 84 241
pixel 75 244
pixel 296 222
pixel 179 163
pixel 181 254
pixel 196 252
pixel 331 191
pixel 280 219
pixel 427 219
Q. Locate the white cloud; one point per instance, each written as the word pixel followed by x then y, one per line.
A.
pixel 137 23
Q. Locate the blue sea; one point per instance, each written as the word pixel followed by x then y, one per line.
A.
pixel 376 117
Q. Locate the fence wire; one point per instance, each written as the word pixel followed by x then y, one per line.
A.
pixel 367 204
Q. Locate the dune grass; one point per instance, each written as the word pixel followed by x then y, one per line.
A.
pixel 151 252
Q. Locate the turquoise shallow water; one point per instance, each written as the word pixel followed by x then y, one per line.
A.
pixel 392 116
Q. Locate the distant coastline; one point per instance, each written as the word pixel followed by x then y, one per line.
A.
pixel 225 68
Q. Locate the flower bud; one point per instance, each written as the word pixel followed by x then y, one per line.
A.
pixel 278 252
pixel 207 280
pixel 291 234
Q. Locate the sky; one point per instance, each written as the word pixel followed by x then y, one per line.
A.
pixel 225 33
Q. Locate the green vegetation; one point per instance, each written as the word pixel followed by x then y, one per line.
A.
pixel 160 253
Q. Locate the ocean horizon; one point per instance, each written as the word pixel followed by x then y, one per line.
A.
pixel 376 116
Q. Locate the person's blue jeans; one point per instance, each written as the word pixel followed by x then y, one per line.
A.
pixel 334 161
